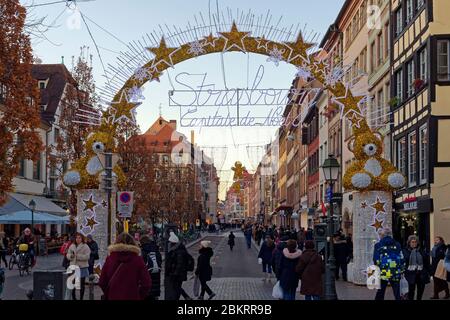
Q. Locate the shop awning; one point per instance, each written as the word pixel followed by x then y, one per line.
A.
pixel 42 204
pixel 25 217
pixel 286 208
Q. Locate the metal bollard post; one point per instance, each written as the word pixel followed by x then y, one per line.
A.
pixel 91 286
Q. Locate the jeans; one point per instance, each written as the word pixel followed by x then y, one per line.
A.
pixel 82 287
pixel 289 294
pixel 205 288
pixel 395 288
pixel 310 297
pixel 249 242
pixel 267 267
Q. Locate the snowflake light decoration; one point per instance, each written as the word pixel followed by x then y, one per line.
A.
pixel 135 94
pixel 303 72
pixel 276 55
pixel 334 76
pixel 141 74
pixel 196 48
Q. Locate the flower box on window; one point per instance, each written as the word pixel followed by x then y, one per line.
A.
pixel 418 84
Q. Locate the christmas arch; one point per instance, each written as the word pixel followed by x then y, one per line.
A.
pixel 371 175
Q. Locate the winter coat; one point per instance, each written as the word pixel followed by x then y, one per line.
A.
pixel 341 251
pixel 288 276
pixel 410 276
pixel 310 268
pixel 265 253
pixel 131 281
pixel 248 233
pixel 440 254
pixel 79 255
pixel 175 263
pixel 390 270
pixel 204 269
pixel 276 258
pixel 146 249
pixel 231 239
pixel 94 251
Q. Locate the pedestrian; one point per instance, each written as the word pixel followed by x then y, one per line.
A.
pixel 176 269
pixel 265 254
pixel 388 256
pixel 28 238
pixel 3 248
pixel 67 242
pixel 349 240
pixel 248 237
pixel 259 235
pixel 341 254
pixel 78 255
pixel 124 275
pixel 276 256
pixel 204 269
pixel 231 240
pixel 417 267
pixel 288 276
pixel 438 254
pixel 301 238
pixel 310 268
pixel 153 260
pixel 94 252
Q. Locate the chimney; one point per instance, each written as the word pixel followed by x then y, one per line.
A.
pixel 173 124
pixel 192 137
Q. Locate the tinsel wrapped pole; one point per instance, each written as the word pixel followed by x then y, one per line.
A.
pixel 372 211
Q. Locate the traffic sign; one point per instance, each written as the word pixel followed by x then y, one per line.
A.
pixel 329 194
pixel 125 204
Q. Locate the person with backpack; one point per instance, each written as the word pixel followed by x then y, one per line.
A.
pixel 231 242
pixel 177 264
pixel 388 256
pixel 124 275
pixel 204 269
pixel 153 260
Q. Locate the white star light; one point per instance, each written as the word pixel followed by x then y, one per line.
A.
pixel 334 76
pixel 276 55
pixel 135 94
pixel 141 73
pixel 196 48
pixel 303 73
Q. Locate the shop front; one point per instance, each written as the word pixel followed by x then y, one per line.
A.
pixel 412 217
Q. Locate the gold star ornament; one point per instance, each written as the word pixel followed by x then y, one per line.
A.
pixel 378 224
pixel 89 204
pixel 378 206
pixel 124 109
pixel 163 53
pixel 234 39
pixel 90 222
pixel 299 49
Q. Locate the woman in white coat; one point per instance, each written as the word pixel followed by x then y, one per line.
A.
pixel 78 254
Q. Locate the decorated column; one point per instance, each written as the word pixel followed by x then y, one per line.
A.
pixel 372 211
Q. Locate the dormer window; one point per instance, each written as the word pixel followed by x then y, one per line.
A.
pixel 42 84
pixel 43 107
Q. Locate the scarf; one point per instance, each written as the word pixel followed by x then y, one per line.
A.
pixel 415 261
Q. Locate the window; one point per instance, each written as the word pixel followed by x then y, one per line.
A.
pixel 37 169
pixel 22 168
pixel 380 52
pixel 373 60
pixel 386 40
pixel 423 64
pixel 56 135
pixel 443 60
pixel 165 159
pixel 409 10
pixel 2 92
pixel 398 21
pixel 42 84
pixel 410 78
pixel 399 84
pixel 401 155
pixel 412 165
pixel 363 13
pixel 379 115
pixel 423 146
pixel 420 3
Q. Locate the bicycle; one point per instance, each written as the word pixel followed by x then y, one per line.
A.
pixel 14 259
pixel 24 262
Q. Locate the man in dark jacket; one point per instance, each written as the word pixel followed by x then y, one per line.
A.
pixel 94 253
pixel 341 253
pixel 204 269
pixel 153 261
pixel 265 254
pixel 276 256
pixel 248 237
pixel 175 268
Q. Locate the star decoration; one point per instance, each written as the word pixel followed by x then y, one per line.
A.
pixel 210 41
pixel 90 222
pixel 262 43
pixel 155 74
pixel 378 224
pixel 410 223
pixel 124 108
pixel 89 204
pixel 363 205
pixel 299 48
pixel 355 118
pixel 378 206
pixel 162 53
pixel 234 39
pixel 104 204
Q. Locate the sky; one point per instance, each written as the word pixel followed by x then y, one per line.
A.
pixel 114 23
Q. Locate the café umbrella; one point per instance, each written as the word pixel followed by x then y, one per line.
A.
pixel 24 217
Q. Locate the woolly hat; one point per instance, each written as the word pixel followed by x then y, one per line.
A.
pixel 205 243
pixel 173 238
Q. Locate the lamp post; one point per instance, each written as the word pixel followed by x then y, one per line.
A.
pixel 32 206
pixel 330 169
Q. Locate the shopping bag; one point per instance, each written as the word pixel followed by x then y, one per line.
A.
pixel 373 277
pixel 404 287
pixel 196 290
pixel 259 261
pixel 277 291
pixel 441 272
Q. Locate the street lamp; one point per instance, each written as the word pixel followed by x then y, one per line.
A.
pixel 32 206
pixel 330 169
